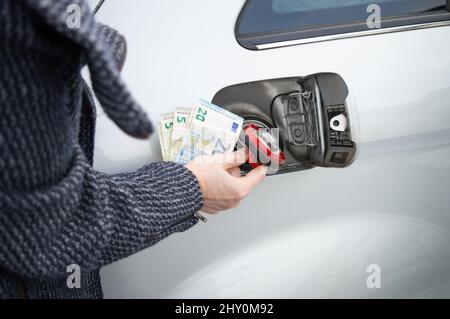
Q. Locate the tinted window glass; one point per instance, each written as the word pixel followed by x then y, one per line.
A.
pixel 271 16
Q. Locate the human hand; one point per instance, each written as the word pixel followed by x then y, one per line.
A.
pixel 221 182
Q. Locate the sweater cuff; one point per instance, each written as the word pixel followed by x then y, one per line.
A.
pixel 178 183
pixel 165 194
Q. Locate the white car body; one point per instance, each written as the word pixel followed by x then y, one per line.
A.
pixel 319 233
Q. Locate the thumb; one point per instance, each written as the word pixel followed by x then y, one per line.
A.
pixel 254 177
pixel 235 159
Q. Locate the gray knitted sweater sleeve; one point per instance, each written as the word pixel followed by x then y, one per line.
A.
pixel 55 209
pixel 92 219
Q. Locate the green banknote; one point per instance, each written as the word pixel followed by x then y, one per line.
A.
pixel 165 134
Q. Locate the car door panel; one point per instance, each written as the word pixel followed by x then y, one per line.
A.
pixel 305 234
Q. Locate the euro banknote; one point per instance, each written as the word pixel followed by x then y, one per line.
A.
pixel 165 134
pixel 181 120
pixel 211 130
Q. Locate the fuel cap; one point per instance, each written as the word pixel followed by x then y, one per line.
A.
pixel 263 146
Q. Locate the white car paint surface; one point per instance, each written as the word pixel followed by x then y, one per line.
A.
pixel 304 234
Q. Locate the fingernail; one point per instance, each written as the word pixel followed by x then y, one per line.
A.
pixel 264 169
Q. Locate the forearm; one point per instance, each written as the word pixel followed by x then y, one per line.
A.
pixel 152 203
pixel 92 219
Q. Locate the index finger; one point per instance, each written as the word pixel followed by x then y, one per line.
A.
pixel 254 177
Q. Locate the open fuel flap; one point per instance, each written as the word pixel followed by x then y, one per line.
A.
pixel 302 122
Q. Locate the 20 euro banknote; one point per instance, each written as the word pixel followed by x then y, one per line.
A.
pixel 212 130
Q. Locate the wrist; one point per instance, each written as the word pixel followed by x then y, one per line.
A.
pixel 191 167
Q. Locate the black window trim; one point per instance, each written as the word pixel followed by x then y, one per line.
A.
pixel 270 40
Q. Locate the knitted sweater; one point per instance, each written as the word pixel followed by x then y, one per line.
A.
pixel 55 209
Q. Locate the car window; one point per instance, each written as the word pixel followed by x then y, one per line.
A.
pixel 325 17
pixel 287 6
